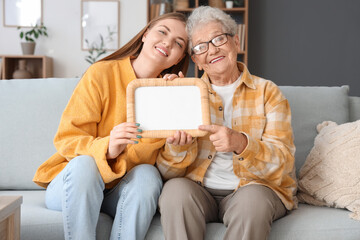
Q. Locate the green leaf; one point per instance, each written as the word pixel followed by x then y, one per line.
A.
pixel 88 61
pixel 29 39
pixel 99 54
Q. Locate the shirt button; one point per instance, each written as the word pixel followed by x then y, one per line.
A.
pixel 220 108
pixel 210 157
pixel 241 158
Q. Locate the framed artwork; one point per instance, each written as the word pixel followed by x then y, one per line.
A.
pixel 22 13
pixel 99 24
pixel 163 107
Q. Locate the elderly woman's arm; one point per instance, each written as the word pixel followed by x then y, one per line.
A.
pixel 271 157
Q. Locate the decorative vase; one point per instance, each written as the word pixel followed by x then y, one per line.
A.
pixel 229 4
pixel 216 3
pixel 28 48
pixel 22 72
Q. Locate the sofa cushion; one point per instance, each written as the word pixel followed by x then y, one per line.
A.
pixel 331 173
pixel 40 223
pixel 306 222
pixel 311 106
pixel 30 114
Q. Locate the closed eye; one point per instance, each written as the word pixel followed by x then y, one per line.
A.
pixel 179 44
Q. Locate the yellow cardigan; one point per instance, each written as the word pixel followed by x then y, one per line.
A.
pixel 97 104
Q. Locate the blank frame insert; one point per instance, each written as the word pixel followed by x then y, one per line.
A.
pixel 164 107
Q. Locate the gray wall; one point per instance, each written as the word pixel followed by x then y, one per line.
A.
pixel 307 42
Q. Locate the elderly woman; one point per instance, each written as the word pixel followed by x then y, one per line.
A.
pixel 242 171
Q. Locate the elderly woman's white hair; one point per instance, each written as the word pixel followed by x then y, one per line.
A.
pixel 206 14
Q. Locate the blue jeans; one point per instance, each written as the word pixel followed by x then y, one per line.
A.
pixel 79 192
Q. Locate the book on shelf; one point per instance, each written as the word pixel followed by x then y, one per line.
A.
pixel 157 9
pixel 0 67
pixel 241 34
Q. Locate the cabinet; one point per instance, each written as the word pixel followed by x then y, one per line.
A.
pixel 38 66
pixel 239 12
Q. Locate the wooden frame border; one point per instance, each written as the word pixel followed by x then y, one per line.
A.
pixel 204 95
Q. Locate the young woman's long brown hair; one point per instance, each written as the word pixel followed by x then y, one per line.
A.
pixel 134 46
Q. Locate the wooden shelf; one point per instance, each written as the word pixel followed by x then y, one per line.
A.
pixel 240 14
pixel 39 66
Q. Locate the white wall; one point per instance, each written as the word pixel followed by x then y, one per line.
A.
pixel 62 18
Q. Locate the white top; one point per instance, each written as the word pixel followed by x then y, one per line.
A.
pixel 220 174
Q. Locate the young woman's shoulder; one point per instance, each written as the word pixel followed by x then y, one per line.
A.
pixel 107 73
pixel 108 65
pixel 108 68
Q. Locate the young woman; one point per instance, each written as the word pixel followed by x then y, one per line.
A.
pixel 102 163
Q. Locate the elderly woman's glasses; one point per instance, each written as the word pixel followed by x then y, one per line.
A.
pixel 216 41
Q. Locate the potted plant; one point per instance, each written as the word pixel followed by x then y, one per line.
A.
pixel 98 48
pixel 30 36
pixel 229 3
pixel 95 50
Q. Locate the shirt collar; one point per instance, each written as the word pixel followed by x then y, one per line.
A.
pixel 246 78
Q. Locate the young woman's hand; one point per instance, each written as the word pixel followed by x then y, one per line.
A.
pixel 172 76
pixel 180 138
pixel 120 136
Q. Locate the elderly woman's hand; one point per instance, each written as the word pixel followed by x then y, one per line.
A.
pixel 180 138
pixel 172 76
pixel 225 139
pixel 120 136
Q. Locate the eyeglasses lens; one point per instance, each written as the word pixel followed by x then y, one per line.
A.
pixel 216 41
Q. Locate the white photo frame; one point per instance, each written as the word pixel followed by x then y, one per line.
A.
pixel 100 24
pixel 164 107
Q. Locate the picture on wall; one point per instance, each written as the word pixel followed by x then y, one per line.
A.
pixel 100 24
pixel 22 13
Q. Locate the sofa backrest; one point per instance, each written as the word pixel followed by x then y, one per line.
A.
pixel 354 106
pixel 30 112
pixel 311 106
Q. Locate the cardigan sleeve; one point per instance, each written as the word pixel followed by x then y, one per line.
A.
pixel 78 129
pixel 145 151
pixel 173 161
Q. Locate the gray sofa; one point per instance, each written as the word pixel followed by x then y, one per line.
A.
pixel 30 111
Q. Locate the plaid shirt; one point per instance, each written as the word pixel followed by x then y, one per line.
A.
pixel 262 113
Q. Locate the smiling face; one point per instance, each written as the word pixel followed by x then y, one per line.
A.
pixel 217 61
pixel 165 43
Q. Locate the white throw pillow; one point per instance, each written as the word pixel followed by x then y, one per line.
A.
pixel 331 173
